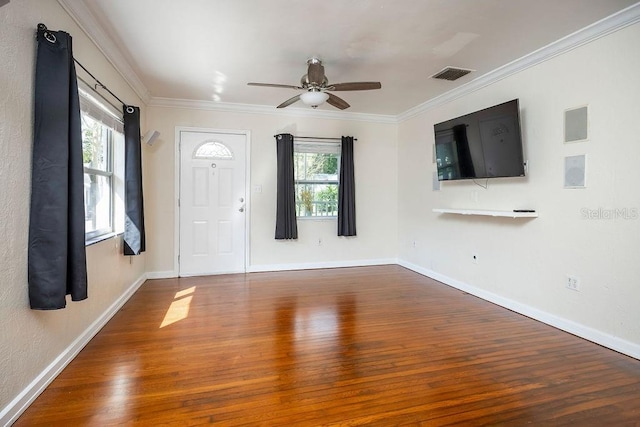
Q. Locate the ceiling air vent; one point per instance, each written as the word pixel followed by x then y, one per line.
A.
pixel 451 73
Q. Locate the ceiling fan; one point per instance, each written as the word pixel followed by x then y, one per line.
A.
pixel 317 88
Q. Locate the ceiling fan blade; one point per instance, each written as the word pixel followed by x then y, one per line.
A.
pixel 289 101
pixel 274 85
pixel 315 73
pixel 355 86
pixel 337 102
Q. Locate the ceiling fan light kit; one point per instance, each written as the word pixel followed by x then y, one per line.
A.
pixel 318 89
pixel 313 99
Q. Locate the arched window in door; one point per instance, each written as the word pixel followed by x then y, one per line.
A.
pixel 213 150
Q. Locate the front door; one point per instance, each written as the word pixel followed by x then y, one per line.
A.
pixel 212 203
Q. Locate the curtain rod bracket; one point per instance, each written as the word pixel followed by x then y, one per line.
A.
pixel 48 36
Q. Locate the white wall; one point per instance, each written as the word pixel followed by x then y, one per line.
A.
pixel 31 340
pixel 524 263
pixel 375 155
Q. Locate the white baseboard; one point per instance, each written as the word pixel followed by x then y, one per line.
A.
pixel 13 410
pixel 318 265
pixel 610 341
pixel 162 275
pixel 286 267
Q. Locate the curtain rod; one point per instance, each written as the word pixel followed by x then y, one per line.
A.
pixel 99 83
pixel 51 38
pixel 93 89
pixel 318 138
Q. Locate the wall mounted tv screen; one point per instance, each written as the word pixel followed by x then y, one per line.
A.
pixel 484 144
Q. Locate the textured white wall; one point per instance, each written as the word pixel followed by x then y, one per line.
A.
pixel 376 175
pixel 527 261
pixel 31 340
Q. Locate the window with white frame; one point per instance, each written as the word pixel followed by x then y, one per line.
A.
pixel 102 141
pixel 316 172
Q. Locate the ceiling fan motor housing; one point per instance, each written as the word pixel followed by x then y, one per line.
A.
pixel 305 83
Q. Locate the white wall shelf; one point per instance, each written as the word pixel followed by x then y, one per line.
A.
pixel 506 214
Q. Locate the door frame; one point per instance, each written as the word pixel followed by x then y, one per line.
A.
pixel 176 201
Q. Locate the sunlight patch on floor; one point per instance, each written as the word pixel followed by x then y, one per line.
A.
pixel 179 308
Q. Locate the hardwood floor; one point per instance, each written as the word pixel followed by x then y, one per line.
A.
pixel 373 345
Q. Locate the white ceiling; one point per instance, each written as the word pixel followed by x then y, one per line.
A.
pixel 208 50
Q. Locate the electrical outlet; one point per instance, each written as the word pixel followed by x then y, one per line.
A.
pixel 474 258
pixel 573 283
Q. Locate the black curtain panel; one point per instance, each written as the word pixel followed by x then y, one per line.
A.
pixel 134 237
pixel 57 260
pixel 347 190
pixel 286 225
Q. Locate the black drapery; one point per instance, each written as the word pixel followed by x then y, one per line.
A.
pixel 57 260
pixel 286 225
pixel 134 237
pixel 347 190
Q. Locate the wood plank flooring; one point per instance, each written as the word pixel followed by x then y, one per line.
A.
pixel 341 347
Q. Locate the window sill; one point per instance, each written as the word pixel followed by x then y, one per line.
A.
pixel 99 239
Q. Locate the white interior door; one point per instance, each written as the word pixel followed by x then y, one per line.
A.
pixel 212 203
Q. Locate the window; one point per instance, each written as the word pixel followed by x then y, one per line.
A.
pixel 101 136
pixel 213 150
pixel 316 173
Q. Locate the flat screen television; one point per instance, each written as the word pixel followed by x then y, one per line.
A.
pixel 484 144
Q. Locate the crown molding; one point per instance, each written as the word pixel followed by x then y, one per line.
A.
pixel 270 110
pixel 94 30
pixel 96 33
pixel 608 25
